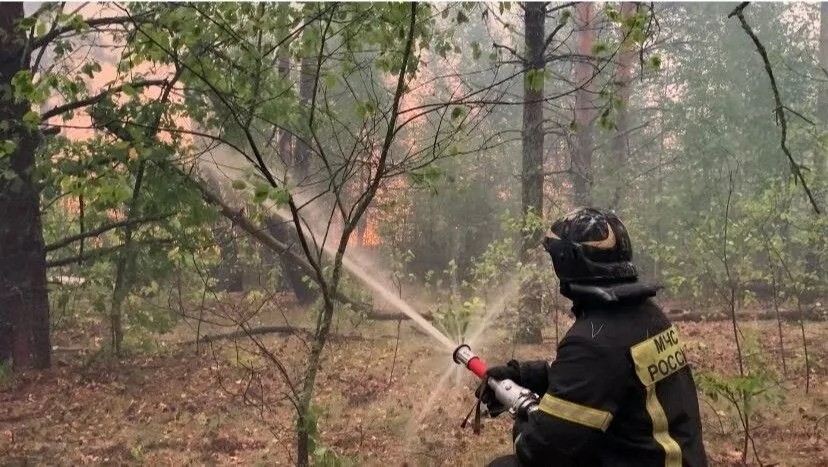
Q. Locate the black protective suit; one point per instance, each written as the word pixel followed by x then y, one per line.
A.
pixel 620 392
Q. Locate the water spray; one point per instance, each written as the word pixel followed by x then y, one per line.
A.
pixel 517 399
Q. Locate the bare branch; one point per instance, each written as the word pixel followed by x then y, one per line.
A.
pixel 780 108
pixel 510 49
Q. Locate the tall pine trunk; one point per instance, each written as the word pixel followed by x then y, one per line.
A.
pixel 822 100
pixel 623 82
pixel 823 60
pixel 530 319
pixel 584 107
pixel 24 313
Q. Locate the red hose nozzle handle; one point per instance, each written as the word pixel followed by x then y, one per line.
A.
pixel 463 355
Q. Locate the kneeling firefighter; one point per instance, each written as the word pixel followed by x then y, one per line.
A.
pixel 620 391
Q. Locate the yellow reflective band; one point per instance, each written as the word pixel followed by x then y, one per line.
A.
pixel 575 413
pixel 658 357
pixel 672 451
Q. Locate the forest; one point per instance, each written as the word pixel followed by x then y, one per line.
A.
pixel 242 233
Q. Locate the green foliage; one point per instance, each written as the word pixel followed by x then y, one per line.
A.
pixel 6 372
pixel 534 79
pixel 321 455
pixel 453 318
pixel 744 395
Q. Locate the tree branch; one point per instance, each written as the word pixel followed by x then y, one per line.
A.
pixel 98 252
pixel 780 108
pixel 510 49
pixel 94 22
pixel 104 228
pixel 99 97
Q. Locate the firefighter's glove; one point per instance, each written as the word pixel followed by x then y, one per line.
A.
pixel 510 370
pixel 487 395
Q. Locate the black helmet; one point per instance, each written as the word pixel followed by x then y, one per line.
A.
pixel 590 246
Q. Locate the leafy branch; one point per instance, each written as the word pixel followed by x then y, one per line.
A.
pixel 102 229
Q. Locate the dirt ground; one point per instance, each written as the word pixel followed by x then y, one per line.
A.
pixel 386 397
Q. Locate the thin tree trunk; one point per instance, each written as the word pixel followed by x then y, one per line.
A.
pixel 24 313
pixel 778 317
pixel 292 272
pixel 530 318
pixel 283 65
pixel 228 273
pixel 125 267
pixel 823 61
pixel 623 81
pixel 659 193
pixel 330 288
pixel 584 108
pixel 301 156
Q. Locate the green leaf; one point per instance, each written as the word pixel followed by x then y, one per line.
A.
pixel 28 22
pixel 7 147
pixel 261 193
pixel 564 17
pixel 534 79
pixel 91 68
pixel 462 18
pixel 130 90
pixel 71 167
pixel 23 84
pixel 654 62
pixel 457 112
pixel 280 196
pixel 31 119
pixel 239 184
pixel 475 46
pixel 599 48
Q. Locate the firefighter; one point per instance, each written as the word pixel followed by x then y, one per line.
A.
pixel 620 391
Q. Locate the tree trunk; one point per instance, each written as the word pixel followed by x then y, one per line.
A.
pixel 228 273
pixel 125 266
pixel 584 108
pixel 301 156
pixel 24 313
pixel 530 318
pixel 292 272
pixel 285 138
pixel 823 60
pixel 822 100
pixel 298 157
pixel 623 81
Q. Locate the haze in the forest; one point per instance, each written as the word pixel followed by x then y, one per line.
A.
pixel 253 232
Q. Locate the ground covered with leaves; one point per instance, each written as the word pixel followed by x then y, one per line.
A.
pixel 385 397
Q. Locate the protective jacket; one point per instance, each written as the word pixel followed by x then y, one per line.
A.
pixel 620 391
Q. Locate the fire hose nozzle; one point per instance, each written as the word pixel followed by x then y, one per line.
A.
pixel 463 355
pixel 518 399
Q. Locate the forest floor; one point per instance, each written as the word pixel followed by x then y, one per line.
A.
pixel 225 403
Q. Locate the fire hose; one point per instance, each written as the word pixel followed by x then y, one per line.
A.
pixel 518 400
